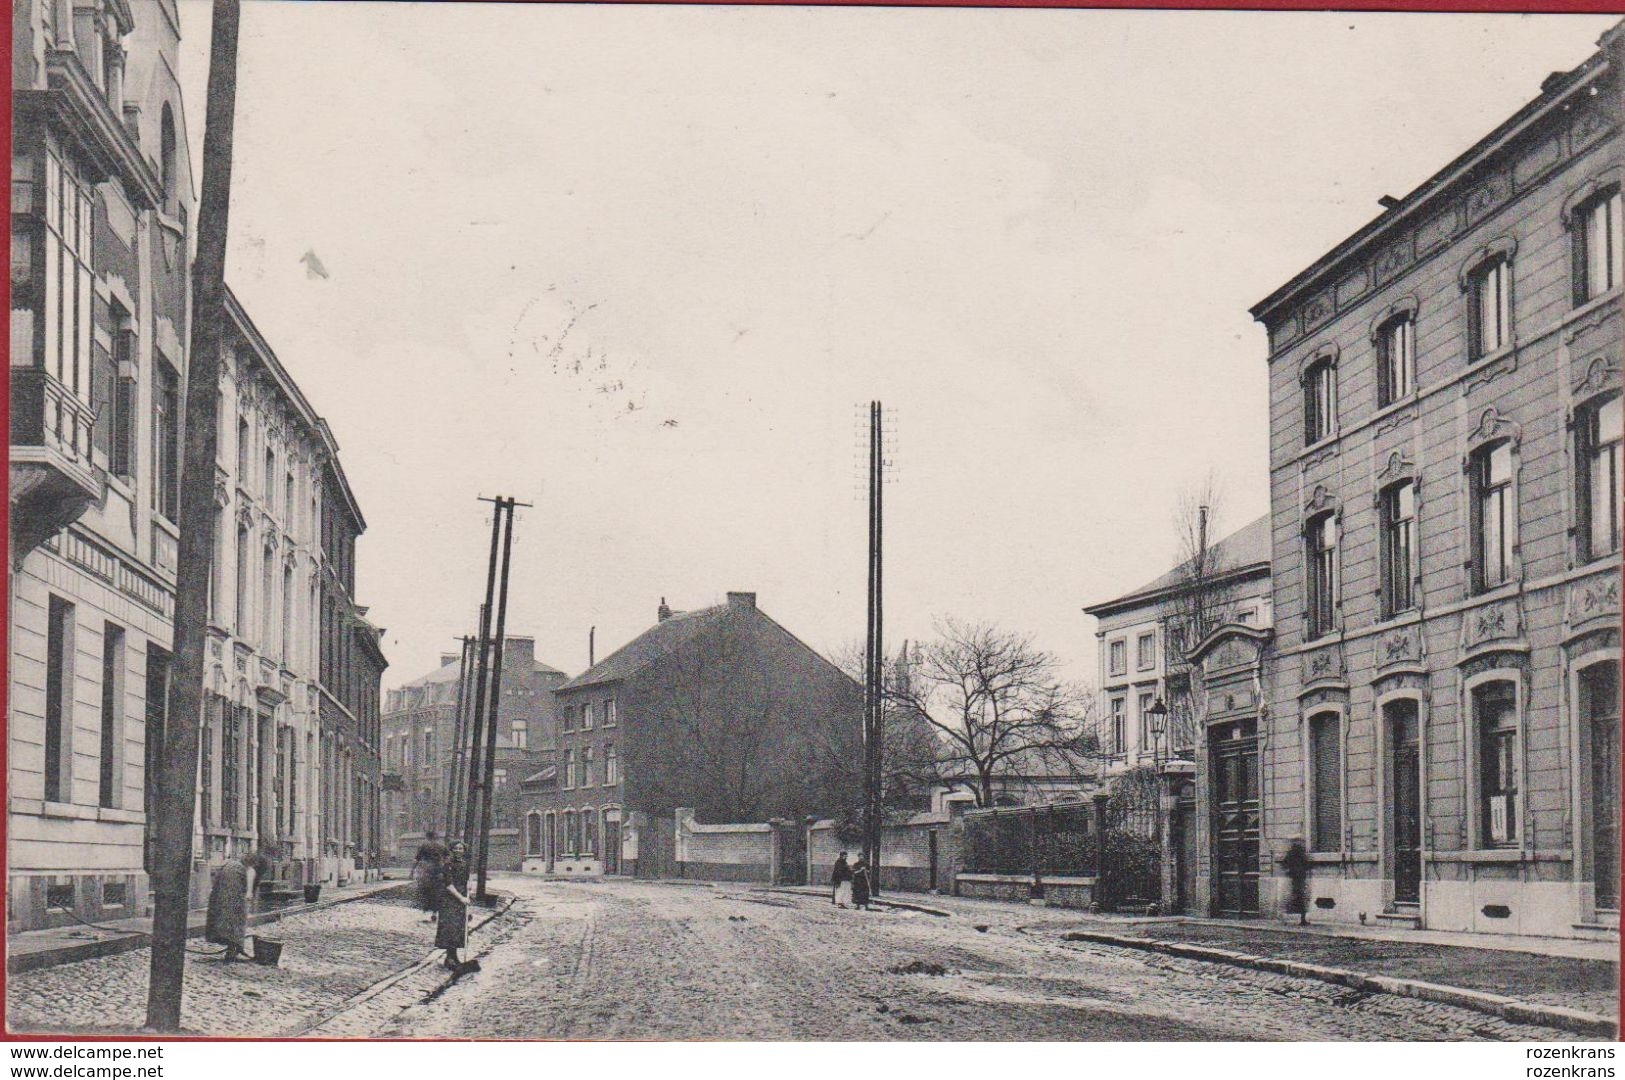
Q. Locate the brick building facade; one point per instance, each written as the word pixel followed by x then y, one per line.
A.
pixel 1441 714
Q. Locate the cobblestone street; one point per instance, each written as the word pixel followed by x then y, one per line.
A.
pixel 642 960
pixel 328 956
pixel 635 960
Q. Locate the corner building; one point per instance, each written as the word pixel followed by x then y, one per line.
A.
pixel 1443 709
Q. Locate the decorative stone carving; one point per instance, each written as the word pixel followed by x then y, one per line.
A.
pixel 1319 500
pixel 1588 125
pixel 1324 665
pixel 1590 601
pixel 1317 310
pixel 1492 427
pixel 1490 372
pixel 1396 467
pixel 1498 622
pixel 1490 193
pixel 1395 420
pixel 1600 375
pixel 1320 457
pixel 1393 259
pixel 1401 647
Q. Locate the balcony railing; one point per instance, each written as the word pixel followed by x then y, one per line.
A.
pixel 46 414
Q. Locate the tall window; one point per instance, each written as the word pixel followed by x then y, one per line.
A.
pixel 586 716
pixel 1495 718
pixel 428 747
pixel 586 767
pixel 68 288
pixel 1396 360
pixel 157 722
pixel 521 733
pixel 1146 649
pixel 1398 550
pixel 609 713
pixel 59 637
pixel 166 436
pixel 242 581
pixel 121 450
pixel 112 713
pixel 1146 701
pixel 1321 548
pixel 1597 252
pixel 1598 430
pixel 231 751
pixel 612 771
pixel 1117 653
pixel 569 768
pixel 1319 402
pixel 242 453
pixel 267 597
pixel 1494 516
pixel 205 748
pixel 287 615
pixel 589 833
pixel 571 843
pixel 287 502
pixel 267 478
pixel 1326 778
pixel 1489 307
pixel 1119 726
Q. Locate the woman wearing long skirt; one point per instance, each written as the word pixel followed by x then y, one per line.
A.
pixel 429 869
pixel 452 933
pixel 860 885
pixel 842 880
pixel 229 890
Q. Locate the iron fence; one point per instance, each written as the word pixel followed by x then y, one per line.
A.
pixel 1056 841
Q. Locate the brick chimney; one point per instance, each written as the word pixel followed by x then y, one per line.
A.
pixel 742 601
pixel 449 658
pixel 662 613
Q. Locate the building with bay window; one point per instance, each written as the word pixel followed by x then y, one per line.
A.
pixel 1442 715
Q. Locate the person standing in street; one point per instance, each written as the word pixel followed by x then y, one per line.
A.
pixel 842 880
pixel 229 892
pixel 429 870
pixel 452 933
pixel 1296 864
pixel 860 884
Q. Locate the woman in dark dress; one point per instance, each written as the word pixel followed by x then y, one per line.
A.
pixel 842 880
pixel 229 890
pixel 429 868
pixel 452 933
pixel 860 885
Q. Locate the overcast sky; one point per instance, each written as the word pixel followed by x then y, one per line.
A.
pixel 641 266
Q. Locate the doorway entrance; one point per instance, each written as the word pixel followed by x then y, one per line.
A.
pixel 1599 696
pixel 1236 817
pixel 1405 773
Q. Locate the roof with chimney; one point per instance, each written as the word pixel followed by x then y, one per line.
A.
pixel 451 666
pixel 1245 551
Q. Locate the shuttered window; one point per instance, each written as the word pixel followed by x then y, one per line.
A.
pixel 1325 753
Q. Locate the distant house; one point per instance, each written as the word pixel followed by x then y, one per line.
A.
pixel 722 710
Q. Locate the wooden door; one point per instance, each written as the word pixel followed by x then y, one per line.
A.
pixel 1236 820
pixel 1406 770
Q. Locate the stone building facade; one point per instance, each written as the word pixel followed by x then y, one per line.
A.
pixel 1442 714
pixel 102 201
pixel 719 711
pixel 420 725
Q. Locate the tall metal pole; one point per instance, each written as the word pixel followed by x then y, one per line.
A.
pixel 496 705
pixel 869 659
pixel 177 793
pixel 484 647
pixel 880 642
pixel 455 751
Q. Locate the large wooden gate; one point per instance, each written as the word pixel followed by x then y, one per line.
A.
pixel 1236 818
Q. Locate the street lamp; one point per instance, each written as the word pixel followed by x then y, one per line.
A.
pixel 1159 724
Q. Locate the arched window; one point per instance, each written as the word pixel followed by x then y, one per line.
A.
pixel 166 155
pixel 1495 726
pixel 1326 782
pixel 1398 550
pixel 571 844
pixel 1320 564
pixel 1494 515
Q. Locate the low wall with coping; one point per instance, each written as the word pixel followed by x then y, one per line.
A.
pixel 905 854
pixel 747 852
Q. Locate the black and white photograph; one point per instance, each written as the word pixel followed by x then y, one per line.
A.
pixel 622 523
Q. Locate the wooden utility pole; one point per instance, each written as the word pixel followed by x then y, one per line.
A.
pixel 454 767
pixel 470 811
pixel 496 699
pixel 874 705
pixel 177 781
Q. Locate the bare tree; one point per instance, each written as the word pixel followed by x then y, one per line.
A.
pixel 1201 598
pixel 998 707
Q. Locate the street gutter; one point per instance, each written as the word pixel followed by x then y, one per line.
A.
pixel 1523 1012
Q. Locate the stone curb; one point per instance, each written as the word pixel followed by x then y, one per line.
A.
pixel 1523 1012
pixel 361 997
pixel 131 940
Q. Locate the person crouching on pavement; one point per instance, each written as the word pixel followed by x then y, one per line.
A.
pixel 842 880
pixel 229 892
pixel 452 933
pixel 860 884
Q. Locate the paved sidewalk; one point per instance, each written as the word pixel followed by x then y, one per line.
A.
pixel 1565 977
pixel 36 949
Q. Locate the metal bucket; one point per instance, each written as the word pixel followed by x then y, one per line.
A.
pixel 267 951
